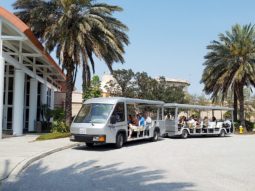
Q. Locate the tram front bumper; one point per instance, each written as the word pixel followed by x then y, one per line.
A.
pixel 88 138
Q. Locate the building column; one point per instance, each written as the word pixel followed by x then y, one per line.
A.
pixel 43 94
pixel 52 99
pixel 43 97
pixel 32 104
pixel 18 102
pixel 2 63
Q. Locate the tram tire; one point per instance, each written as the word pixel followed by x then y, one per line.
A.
pixel 119 140
pixel 155 135
pixel 89 144
pixel 184 134
pixel 222 133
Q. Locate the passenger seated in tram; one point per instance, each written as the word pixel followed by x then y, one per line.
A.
pixel 227 123
pixel 129 121
pixel 182 121
pixel 148 122
pixel 191 122
pixel 137 124
pixel 168 117
pixel 212 124
pixel 205 122
pixel 141 120
pixel 197 122
pixel 117 116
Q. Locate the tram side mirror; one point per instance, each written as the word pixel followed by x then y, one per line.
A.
pixel 113 119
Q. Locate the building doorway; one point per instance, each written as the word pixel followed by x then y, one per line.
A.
pixel 8 98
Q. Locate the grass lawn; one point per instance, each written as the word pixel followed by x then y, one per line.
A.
pixel 55 135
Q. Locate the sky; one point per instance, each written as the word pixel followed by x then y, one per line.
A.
pixel 169 37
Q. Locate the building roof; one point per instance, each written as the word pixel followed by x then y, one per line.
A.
pixel 23 28
pixel 175 80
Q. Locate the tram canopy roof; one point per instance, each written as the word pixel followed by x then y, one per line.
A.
pixel 198 107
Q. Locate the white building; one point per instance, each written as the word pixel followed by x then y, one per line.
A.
pixel 176 83
pixel 106 78
pixel 28 76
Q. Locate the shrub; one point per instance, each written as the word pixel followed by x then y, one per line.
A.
pixel 59 126
pixel 58 114
pixel 227 115
pixel 249 125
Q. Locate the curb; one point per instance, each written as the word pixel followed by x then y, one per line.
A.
pixel 25 163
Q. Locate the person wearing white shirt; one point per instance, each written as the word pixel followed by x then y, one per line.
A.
pixel 191 122
pixel 148 122
pixel 227 123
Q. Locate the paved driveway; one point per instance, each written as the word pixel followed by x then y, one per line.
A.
pixel 170 164
pixel 15 152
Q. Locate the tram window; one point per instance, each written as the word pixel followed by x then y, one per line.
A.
pixel 120 112
pixel 160 114
pixel 169 113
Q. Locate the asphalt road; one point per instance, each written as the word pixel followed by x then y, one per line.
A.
pixel 169 164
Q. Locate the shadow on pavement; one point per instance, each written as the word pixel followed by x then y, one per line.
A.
pixel 5 171
pixel 90 176
pixel 200 137
pixel 108 147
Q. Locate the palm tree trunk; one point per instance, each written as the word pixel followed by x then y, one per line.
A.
pixel 84 81
pixel 235 106
pixel 241 105
pixel 86 77
pixel 69 90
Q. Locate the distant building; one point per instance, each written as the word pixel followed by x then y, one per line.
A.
pixel 106 78
pixel 76 101
pixel 177 83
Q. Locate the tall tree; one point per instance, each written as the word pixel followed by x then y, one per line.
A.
pixel 168 93
pixel 230 64
pixel 145 86
pixel 78 29
pixel 197 99
pixel 94 90
pixel 141 85
pixel 123 85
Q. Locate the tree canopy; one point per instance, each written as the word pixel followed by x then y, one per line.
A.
pixel 94 90
pixel 141 85
pixel 230 64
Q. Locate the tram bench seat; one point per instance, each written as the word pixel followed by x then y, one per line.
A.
pixel 211 125
pixel 139 128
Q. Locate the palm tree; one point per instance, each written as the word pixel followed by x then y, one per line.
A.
pixel 77 29
pixel 230 64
